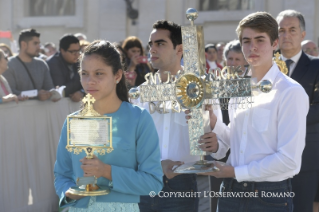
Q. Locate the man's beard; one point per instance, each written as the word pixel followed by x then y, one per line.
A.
pixel 155 65
pixel 32 55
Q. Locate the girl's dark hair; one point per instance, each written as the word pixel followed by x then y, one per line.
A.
pixel 111 57
pixel 122 53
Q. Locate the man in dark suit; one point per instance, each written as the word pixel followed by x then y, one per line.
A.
pixel 64 67
pixel 305 70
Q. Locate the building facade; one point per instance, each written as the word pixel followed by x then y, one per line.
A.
pixel 109 19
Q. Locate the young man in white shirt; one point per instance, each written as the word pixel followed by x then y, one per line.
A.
pixel 166 51
pixel 266 139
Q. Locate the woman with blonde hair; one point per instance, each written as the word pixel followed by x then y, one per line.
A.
pixel 5 90
pixel 6 49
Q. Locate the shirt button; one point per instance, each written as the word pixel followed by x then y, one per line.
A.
pixel 165 146
pixel 166 128
pixel 241 151
pixel 245 184
pixel 244 133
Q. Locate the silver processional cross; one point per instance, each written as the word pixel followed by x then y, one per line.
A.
pixel 192 87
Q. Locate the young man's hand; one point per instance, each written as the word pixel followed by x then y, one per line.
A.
pixel 225 171
pixel 208 142
pixel 167 166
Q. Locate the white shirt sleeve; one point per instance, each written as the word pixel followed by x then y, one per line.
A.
pixel 291 121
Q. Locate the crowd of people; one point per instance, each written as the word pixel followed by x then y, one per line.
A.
pixel 273 145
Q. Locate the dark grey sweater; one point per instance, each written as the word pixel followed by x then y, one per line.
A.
pixel 19 79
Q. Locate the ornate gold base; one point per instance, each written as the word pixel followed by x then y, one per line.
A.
pixel 103 190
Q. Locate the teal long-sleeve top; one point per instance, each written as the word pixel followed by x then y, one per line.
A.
pixel 135 160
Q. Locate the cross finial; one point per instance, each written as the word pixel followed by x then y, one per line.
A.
pixel 88 99
pixel 277 55
pixel 88 109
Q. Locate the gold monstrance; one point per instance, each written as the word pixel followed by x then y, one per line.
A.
pixel 91 132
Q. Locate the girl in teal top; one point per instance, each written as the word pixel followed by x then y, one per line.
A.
pixel 133 168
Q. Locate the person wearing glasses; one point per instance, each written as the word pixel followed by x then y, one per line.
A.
pixel 64 67
pixel 26 71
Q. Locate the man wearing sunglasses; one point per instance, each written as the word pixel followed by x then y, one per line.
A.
pixel 64 67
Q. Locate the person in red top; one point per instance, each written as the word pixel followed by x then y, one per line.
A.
pixel 211 57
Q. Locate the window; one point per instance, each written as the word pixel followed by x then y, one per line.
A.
pixel 51 8
pixel 44 13
pixel 209 5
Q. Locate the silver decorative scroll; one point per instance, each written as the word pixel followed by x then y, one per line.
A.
pixel 193 50
pixel 195 130
pixel 161 92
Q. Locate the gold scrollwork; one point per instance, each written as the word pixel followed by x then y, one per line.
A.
pixel 281 64
pixel 189 91
pixel 89 113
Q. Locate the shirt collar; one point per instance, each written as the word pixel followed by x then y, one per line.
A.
pixel 294 58
pixel 271 74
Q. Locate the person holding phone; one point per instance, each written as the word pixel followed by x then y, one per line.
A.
pixel 136 61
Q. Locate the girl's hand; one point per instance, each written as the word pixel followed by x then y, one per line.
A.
pixel 95 167
pixel 72 196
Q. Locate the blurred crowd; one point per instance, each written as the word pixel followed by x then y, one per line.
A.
pixel 30 70
pixel 28 65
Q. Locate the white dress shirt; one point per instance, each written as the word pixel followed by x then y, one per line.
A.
pixel 294 64
pixel 267 140
pixel 172 130
pixel 212 64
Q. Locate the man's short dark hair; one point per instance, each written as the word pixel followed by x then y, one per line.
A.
pixel 67 40
pixel 175 30
pixel 27 34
